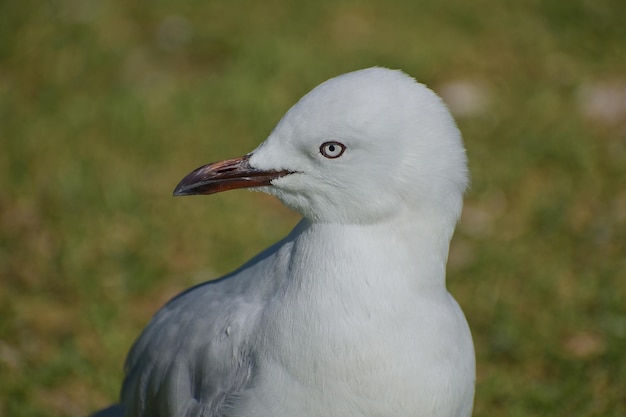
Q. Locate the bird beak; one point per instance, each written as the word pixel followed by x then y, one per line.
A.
pixel 225 175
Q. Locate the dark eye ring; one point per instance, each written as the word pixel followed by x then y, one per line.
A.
pixel 332 150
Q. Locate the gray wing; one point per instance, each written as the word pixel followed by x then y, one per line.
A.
pixel 196 352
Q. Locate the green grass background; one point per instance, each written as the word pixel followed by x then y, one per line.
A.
pixel 105 105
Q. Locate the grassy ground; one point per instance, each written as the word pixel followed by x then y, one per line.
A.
pixel 105 105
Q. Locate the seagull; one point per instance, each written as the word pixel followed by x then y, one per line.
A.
pixel 349 314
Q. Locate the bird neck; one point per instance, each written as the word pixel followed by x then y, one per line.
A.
pixel 403 251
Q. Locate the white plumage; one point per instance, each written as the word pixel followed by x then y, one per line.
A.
pixel 348 315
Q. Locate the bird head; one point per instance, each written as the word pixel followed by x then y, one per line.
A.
pixel 359 148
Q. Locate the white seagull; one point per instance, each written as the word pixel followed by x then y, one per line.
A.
pixel 349 314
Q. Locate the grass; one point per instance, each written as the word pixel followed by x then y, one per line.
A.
pixel 104 106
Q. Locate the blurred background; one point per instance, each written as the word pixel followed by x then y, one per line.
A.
pixel 106 105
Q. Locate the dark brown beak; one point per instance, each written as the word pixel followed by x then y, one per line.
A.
pixel 225 175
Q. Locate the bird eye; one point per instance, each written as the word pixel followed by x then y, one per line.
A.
pixel 332 150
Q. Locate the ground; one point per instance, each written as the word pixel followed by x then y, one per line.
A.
pixel 104 106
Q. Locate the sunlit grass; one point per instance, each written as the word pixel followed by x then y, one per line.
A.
pixel 104 106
